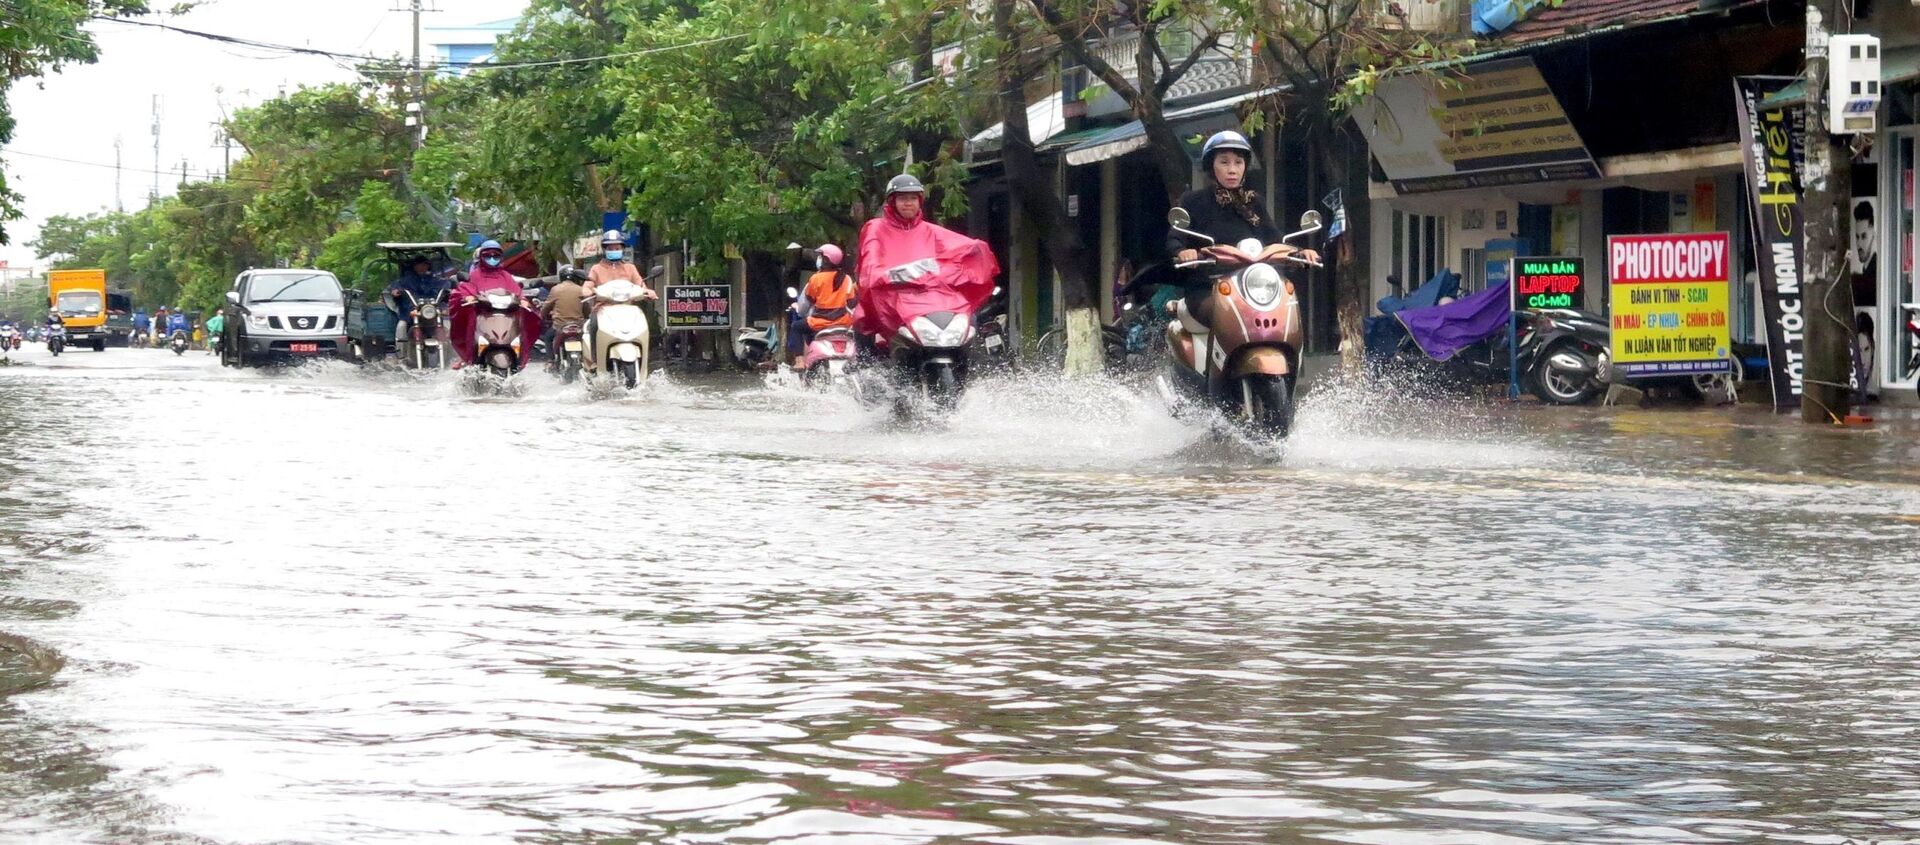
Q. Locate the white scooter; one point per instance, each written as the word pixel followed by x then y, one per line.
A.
pixel 617 332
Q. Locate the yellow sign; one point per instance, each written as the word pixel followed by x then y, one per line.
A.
pixel 1669 296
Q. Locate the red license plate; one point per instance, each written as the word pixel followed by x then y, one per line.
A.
pixel 303 347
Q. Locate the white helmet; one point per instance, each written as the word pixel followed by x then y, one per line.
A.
pixel 613 236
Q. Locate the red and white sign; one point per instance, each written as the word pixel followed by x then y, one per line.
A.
pixel 1635 259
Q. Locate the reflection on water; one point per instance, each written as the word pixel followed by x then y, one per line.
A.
pixel 328 606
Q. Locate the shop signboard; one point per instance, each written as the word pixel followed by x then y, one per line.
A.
pixel 699 306
pixel 1767 136
pixel 1669 298
pixel 1552 282
pixel 1495 123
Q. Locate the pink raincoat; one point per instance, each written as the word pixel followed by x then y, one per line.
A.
pixel 910 269
pixel 463 317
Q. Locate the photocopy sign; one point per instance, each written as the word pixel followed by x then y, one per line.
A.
pixel 1669 295
pixel 1772 158
pixel 699 306
pixel 1547 282
pixel 1497 123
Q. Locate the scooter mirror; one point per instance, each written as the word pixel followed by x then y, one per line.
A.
pixel 791 245
pixel 1178 216
pixel 792 294
pixel 1310 220
pixel 657 271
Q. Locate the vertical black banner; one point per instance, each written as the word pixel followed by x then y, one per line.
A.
pixel 1769 137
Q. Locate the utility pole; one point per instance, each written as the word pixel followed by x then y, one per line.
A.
pixel 119 204
pixel 417 97
pixel 155 196
pixel 1829 293
pixel 220 137
pixel 183 171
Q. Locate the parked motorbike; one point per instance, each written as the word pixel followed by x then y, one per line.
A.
pixel 1913 328
pixel 424 348
pixel 1248 361
pixel 994 345
pixel 617 332
pixel 753 347
pixel 178 342
pixel 56 339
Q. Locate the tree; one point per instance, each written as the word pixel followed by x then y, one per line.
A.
pixel 39 37
pixel 1332 54
pixel 1078 28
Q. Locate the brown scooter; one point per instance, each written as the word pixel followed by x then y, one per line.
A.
pixel 1247 362
pixel 498 325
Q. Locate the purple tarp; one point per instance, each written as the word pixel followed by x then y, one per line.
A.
pixel 1443 330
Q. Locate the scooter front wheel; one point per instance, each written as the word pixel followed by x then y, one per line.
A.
pixel 630 373
pixel 1268 403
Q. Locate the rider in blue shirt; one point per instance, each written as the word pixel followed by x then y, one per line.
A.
pixel 177 322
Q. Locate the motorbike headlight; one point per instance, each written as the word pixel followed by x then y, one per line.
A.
pixel 428 312
pixel 954 335
pixel 499 301
pixel 1262 285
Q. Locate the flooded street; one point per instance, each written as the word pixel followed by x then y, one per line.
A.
pixel 335 606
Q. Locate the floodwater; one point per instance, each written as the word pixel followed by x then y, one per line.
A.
pixel 334 606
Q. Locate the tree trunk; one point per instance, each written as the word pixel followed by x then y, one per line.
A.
pixel 1032 187
pixel 1345 256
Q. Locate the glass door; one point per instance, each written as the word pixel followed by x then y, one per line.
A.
pixel 1898 248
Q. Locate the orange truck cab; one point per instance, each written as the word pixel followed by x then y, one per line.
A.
pixel 80 296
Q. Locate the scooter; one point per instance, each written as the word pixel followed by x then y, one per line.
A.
pixel 497 329
pixel 1246 363
pixel 56 339
pixel 425 351
pixel 178 342
pixel 9 338
pixel 753 347
pixel 617 332
pixel 995 345
pixel 828 354
pixel 929 355
pixel 1913 328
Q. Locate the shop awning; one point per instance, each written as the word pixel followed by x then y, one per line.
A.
pixel 1897 64
pixel 1125 138
pixel 1045 119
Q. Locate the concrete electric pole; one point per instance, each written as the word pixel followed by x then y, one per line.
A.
pixel 155 196
pixel 119 203
pixel 1828 290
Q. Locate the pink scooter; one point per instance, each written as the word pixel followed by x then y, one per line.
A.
pixel 827 355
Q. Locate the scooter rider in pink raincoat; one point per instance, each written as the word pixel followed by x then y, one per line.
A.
pixel 909 266
pixel 488 277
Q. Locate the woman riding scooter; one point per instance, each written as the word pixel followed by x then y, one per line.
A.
pixel 488 277
pixel 827 302
pixel 1229 212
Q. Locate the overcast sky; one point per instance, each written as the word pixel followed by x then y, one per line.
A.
pixel 78 113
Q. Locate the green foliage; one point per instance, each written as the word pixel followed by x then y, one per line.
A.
pixel 378 214
pixel 39 37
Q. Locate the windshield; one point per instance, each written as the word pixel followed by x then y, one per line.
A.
pixel 78 303
pixel 291 287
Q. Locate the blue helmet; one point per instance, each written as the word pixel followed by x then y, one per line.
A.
pixel 490 245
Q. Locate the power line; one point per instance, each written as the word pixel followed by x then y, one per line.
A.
pixel 472 66
pixel 209 174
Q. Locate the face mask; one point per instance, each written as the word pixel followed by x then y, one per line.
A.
pixel 615 255
pixel 491 261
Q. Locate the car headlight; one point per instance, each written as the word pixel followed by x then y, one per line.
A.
pixel 1262 285
pixel 954 335
pixel 258 321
